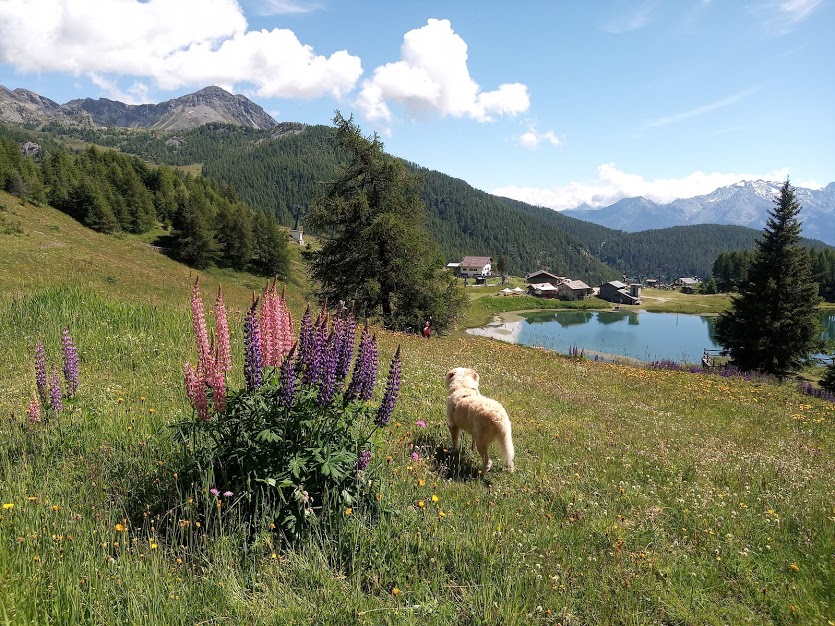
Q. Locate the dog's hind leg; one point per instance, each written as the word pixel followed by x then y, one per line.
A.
pixel 484 451
pixel 455 433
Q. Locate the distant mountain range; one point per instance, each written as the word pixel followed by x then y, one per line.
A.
pixel 212 104
pixel 745 203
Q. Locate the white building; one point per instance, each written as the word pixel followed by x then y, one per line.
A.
pixel 475 266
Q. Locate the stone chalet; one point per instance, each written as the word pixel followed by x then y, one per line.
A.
pixel 620 293
pixel 573 290
pixel 472 266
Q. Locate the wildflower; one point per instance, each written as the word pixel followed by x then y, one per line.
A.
pixel 390 394
pixel 395 591
pixel 40 374
pixel 307 356
pixel 70 362
pixel 214 492
pixel 34 409
pixel 288 379
pixel 421 504
pixel 794 567
pixel 371 375
pixel 201 336
pixel 415 456
pixel 56 402
pixel 228 494
pixel 349 511
pixel 196 392
pixel 224 356
pixel 420 424
pixel 154 546
pixel 435 498
pixel 361 365
pixel 327 371
pixel 346 347
pixel 252 349
pixel 421 482
pixel 119 528
pixel 364 459
pixel 441 514
pixel 8 505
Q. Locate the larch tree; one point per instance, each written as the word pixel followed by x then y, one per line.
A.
pixel 772 324
pixel 375 247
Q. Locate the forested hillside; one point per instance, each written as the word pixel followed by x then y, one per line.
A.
pixel 283 170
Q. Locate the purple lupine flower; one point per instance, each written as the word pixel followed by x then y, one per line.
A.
pixel 328 371
pixel 252 348
pixel 346 348
pixel 288 379
pixel 56 402
pixel 70 362
pixel 390 394
pixel 364 459
pixel 306 340
pixel 360 365
pixel 370 379
pixel 40 374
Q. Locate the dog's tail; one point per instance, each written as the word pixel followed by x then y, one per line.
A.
pixel 505 442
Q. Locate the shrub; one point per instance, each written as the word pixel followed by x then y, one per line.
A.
pixel 294 444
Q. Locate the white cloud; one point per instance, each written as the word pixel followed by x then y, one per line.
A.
pixel 798 10
pixel 634 21
pixel 174 44
pixel 531 139
pixel 698 111
pixel 135 94
pixel 432 77
pixel 279 7
pixel 781 17
pixel 611 184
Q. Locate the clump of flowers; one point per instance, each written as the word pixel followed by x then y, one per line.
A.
pixel 49 395
pixel 297 426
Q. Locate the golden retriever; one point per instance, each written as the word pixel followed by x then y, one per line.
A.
pixel 485 419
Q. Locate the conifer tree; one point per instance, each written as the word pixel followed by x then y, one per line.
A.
pixel 772 324
pixel 375 247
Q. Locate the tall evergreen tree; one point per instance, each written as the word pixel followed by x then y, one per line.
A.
pixel 375 247
pixel 772 324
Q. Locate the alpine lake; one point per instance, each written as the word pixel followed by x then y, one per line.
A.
pixel 618 335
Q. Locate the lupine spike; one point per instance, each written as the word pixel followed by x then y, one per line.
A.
pixel 364 460
pixel 288 379
pixel 391 392
pixel 224 353
pixel 252 348
pixel 40 374
pixel 201 336
pixel 196 392
pixel 306 338
pixel 370 379
pixel 328 371
pixel 360 365
pixel 34 408
pixel 267 329
pixel 70 362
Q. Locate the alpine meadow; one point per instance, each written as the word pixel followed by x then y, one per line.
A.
pixel 339 313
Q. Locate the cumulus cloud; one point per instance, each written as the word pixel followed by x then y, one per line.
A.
pixel 432 78
pixel 531 139
pixel 174 44
pixel 611 184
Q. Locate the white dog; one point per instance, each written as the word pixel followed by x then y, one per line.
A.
pixel 485 419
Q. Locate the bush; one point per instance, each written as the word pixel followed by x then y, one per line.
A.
pixel 294 445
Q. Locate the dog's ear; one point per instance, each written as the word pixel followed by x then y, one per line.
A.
pixel 448 377
pixel 475 377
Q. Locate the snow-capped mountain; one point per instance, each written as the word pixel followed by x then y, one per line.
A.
pixel 745 203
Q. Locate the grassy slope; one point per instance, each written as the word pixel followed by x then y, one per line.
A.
pixel 641 497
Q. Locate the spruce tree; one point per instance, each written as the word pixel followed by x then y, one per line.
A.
pixel 828 380
pixel 772 324
pixel 375 247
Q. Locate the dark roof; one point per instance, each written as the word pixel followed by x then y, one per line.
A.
pixel 476 261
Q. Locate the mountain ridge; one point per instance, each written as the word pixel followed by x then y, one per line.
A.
pixel 210 104
pixel 744 203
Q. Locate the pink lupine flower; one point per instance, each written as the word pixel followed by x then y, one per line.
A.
pixel 34 409
pixel 268 329
pixel 198 320
pixel 224 353
pixel 195 390
pixel 70 362
pixel 56 401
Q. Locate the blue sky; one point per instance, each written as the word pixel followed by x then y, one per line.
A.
pixel 555 103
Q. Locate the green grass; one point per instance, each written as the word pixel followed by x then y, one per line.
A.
pixel 641 497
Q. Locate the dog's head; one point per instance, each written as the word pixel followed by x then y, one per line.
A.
pixel 461 378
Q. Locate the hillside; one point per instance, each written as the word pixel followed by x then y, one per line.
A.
pixel 640 496
pixel 282 170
